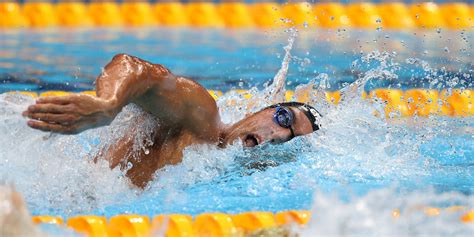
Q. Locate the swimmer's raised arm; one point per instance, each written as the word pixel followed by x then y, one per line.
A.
pixel 176 101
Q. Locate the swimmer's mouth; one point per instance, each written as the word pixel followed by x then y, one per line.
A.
pixel 251 140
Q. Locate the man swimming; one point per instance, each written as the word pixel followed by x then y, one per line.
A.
pixel 188 115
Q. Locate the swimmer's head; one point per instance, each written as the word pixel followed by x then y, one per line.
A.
pixel 274 124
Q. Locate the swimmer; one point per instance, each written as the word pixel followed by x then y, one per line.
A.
pixel 188 115
pixel 15 220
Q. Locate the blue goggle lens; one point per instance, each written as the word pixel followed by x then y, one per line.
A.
pixel 283 117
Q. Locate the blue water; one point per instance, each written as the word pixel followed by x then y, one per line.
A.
pixel 356 157
pixel 71 59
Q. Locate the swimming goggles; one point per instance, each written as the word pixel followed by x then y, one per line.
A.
pixel 285 118
pixel 311 113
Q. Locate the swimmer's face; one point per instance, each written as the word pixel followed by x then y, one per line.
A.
pixel 260 128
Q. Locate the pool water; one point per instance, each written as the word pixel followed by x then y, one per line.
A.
pixel 352 173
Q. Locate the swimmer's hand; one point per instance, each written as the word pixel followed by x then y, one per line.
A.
pixel 70 114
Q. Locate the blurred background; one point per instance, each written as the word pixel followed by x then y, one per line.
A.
pixel 61 45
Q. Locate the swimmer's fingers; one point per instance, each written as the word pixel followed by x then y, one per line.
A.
pixel 50 108
pixel 60 100
pixel 53 118
pixel 50 127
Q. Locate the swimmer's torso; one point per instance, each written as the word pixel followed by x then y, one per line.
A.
pixel 140 166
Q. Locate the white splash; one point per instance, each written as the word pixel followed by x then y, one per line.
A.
pixel 387 212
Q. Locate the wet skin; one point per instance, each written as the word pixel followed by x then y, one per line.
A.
pixel 188 115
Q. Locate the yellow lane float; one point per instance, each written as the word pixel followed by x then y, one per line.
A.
pixel 28 93
pixel 457 102
pixel 170 14
pixel 203 14
pixel 47 220
pixel 457 15
pixel 288 217
pixel 299 14
pixel 331 15
pixel 364 15
pixel 422 102
pixel 137 14
pixel 396 15
pixel 419 102
pixel 235 14
pixel 209 224
pixel 128 225
pixel 215 224
pixel 427 15
pixel 468 217
pixel 266 14
pixel 91 226
pixel 40 14
pixel 395 105
pixel 333 97
pixel 55 93
pixel 11 15
pixel 174 225
pixel 74 14
pixel 105 14
pixel 251 221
